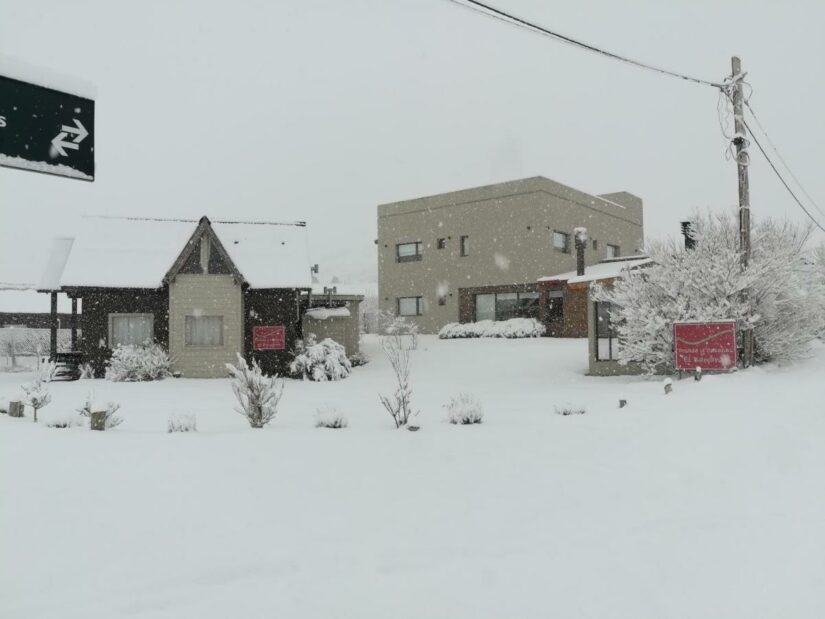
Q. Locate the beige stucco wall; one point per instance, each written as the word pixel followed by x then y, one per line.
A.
pixel 344 330
pixel 207 295
pixel 510 228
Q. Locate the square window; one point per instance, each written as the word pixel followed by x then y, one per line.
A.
pixel 613 251
pixel 410 306
pixel 561 241
pixel 408 252
pixel 441 243
pixel 204 331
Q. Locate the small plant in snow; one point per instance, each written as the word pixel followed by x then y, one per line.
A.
pixel 100 418
pixel 257 393
pixel 37 391
pixel 330 417
pixel 325 360
pixel 67 420
pixel 87 372
pixel 464 410
pixel 139 363
pixel 397 348
pixel 568 410
pixel 182 423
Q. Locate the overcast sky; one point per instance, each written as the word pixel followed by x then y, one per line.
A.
pixel 321 109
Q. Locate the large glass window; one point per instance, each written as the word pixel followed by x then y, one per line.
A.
pixel 130 329
pixel 204 330
pixel 606 342
pixel 410 306
pixel 408 252
pixel 506 305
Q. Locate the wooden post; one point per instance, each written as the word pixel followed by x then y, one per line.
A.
pixel 97 420
pixel 53 327
pixel 742 161
pixel 15 409
pixel 74 324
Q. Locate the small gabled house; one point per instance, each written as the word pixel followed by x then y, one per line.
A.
pixel 204 290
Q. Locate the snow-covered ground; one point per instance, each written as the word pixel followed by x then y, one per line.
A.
pixel 707 502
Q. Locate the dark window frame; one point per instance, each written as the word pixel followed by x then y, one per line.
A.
pixel 566 235
pixel 419 306
pixel 604 326
pixel 519 311
pixel 441 243
pixel 464 246
pixel 616 253
pixel 416 257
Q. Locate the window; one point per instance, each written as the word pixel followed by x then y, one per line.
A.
pixel 410 306
pixel 465 245
pixel 506 305
pixel 595 245
pixel 204 330
pixel 613 251
pixel 555 306
pixel 130 329
pixel 441 243
pixel 606 343
pixel 561 241
pixel 408 252
pixel 442 299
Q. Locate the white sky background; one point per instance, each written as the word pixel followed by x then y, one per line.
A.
pixel 320 110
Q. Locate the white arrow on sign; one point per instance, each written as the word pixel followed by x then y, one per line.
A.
pixel 59 143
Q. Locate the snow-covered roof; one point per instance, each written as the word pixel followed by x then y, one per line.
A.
pixel 322 313
pixel 111 252
pixel 603 270
pixel 31 302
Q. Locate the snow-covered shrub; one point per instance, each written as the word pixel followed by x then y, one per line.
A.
pixel 569 409
pixel 358 358
pixel 464 410
pixel 330 417
pixel 100 418
pixel 513 328
pixel 66 420
pixel 37 392
pixel 325 360
pixel 397 347
pixel 258 394
pixel 182 423
pixel 86 371
pixel 780 296
pixel 139 363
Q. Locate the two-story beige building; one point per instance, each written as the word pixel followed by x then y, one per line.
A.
pixel 477 254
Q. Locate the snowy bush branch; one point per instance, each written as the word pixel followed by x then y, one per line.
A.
pixel 326 360
pixel 258 395
pixel 397 347
pixel 139 363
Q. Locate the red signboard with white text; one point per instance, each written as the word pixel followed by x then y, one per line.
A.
pixel 705 345
pixel 271 337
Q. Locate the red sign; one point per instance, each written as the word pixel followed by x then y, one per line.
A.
pixel 269 338
pixel 705 345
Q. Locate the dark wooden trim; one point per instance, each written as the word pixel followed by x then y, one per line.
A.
pixel 74 324
pixel 204 227
pixel 53 328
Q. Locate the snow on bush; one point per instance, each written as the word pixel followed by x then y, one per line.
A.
pixel 569 409
pixel 65 420
pixel 258 394
pixel 330 417
pixel 182 423
pixel 87 372
pixel 139 363
pixel 397 347
pixel 464 410
pixel 780 296
pixel 515 327
pixel 37 392
pixel 325 360
pixel 110 419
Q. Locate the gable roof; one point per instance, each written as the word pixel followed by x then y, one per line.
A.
pixel 110 252
pixel 608 269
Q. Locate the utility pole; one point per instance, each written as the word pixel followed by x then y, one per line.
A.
pixel 742 161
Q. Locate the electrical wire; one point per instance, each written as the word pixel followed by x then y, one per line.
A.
pixel 491 11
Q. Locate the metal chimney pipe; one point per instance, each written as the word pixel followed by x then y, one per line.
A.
pixel 580 236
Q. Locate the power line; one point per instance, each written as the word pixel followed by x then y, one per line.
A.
pixel 780 177
pixel 491 11
pixel 782 159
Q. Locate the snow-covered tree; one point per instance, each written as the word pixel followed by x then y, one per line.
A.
pixel 779 296
pixel 257 393
pixel 37 391
pixel 321 361
pixel 397 347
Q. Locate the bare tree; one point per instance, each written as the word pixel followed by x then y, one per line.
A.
pixel 37 391
pixel 397 347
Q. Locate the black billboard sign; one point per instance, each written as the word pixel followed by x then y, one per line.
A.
pixel 46 130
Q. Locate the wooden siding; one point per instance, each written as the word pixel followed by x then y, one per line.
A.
pixel 267 307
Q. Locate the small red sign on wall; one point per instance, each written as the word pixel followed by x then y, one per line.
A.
pixel 269 338
pixel 706 345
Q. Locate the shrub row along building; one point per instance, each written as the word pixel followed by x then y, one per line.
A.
pixel 489 253
pixel 205 291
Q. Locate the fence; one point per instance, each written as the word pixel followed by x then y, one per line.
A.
pixel 17 342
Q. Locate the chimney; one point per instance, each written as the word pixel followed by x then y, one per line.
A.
pixel 580 236
pixel 687 232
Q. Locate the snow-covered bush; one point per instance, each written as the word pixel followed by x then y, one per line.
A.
pixel 780 296
pixel 258 394
pixel 569 409
pixel 139 363
pixel 66 420
pixel 86 371
pixel 397 347
pixel 100 418
pixel 325 360
pixel 182 423
pixel 358 358
pixel 464 410
pixel 330 417
pixel 513 328
pixel 37 391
